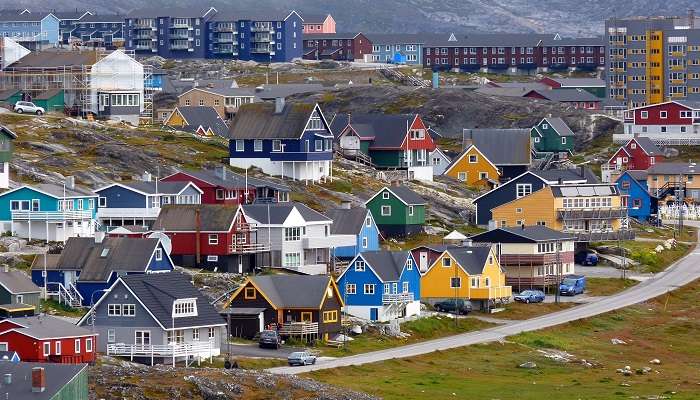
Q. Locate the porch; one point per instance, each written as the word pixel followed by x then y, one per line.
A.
pixel 55 226
pixel 198 350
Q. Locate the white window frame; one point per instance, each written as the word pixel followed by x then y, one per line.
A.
pixel 257 145
pixel 76 344
pixel 386 213
pixel 128 310
pixel 240 145
pixel 350 288
pixel 57 348
pixel 368 288
pixel 47 345
pixel 462 176
pixel 114 310
pixel 159 254
pixel 111 335
pixel 385 195
pixel 410 211
pixel 213 239
pixel 211 258
pixel 102 202
pixel 88 345
pixel 360 266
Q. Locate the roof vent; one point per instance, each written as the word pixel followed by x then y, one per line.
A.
pixel 104 253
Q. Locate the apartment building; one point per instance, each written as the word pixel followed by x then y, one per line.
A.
pixel 33 30
pixel 652 60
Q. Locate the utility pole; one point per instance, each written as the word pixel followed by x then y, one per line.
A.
pixel 558 266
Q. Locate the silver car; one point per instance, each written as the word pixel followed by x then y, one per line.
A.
pixel 22 107
pixel 301 358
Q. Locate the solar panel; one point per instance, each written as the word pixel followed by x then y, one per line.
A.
pixel 568 191
pixel 586 191
pixel 603 190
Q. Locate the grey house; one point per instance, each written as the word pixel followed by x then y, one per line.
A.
pixel 156 318
pixel 18 288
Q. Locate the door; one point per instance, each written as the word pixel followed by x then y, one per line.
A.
pixel 423 261
pixel 373 314
pixel 618 163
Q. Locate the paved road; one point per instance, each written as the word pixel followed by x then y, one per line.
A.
pixel 253 350
pixel 682 272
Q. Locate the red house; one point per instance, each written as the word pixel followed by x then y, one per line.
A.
pixel 425 255
pixel 673 122
pixel 337 46
pixel 638 154
pixel 216 237
pixel 47 339
pixel 223 186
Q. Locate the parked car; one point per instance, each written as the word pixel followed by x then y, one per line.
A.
pixel 22 107
pixel 269 339
pixel 572 285
pixel 457 306
pixel 301 358
pixel 530 296
pixel 586 258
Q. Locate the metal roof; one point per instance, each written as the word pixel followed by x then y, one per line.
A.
pixel 395 38
pixel 232 180
pixel 580 82
pixel 533 233
pixel 168 12
pixel 506 40
pixel 206 117
pixel 273 91
pixel 569 174
pixel 387 264
pixel 61 191
pixel 387 130
pixel 153 187
pixel 502 146
pixel 471 258
pixel 17 282
pixel 48 327
pixel 648 146
pixel 285 291
pixel 183 217
pixel 315 18
pixel 560 126
pixel 259 121
pixel 17 16
pixel 674 168
pixel 224 88
pixel 566 95
pixel 637 175
pixel 277 213
pixel 347 221
pixel 57 377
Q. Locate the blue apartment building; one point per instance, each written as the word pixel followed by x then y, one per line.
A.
pixel 397 48
pixel 95 30
pixel 33 30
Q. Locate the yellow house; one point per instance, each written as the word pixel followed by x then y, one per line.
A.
pixel 593 212
pixel 473 168
pixel 472 273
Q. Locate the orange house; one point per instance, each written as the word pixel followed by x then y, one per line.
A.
pixel 473 168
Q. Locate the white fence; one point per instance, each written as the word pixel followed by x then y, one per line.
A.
pixel 671 212
pixel 205 349
pixel 50 215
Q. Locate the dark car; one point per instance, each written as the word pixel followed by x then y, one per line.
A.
pixel 586 258
pixel 269 339
pixel 530 296
pixel 457 306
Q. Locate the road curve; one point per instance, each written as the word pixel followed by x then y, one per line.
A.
pixel 680 273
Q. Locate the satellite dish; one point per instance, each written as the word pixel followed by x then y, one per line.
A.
pixel 164 239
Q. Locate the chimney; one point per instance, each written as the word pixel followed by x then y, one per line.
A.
pixel 146 176
pixel 279 105
pixel 99 236
pixel 345 204
pixel 70 182
pixel 38 380
pixel 349 118
pixel 7 379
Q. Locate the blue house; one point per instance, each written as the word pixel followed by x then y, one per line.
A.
pixel 270 37
pixel 139 202
pixel 381 285
pixel 633 187
pixel 397 48
pixel 289 140
pixel 33 30
pixel 94 30
pixel 48 212
pixel 88 266
pixel 358 222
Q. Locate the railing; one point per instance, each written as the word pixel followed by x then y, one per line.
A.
pixel 323 242
pixel 265 49
pixel 144 25
pixel 179 46
pixel 392 298
pixel 50 215
pixel 144 37
pixel 176 36
pixel 224 28
pixel 180 26
pixel 298 328
pixel 238 248
pixel 128 212
pixel 143 47
pixel 488 293
pixel 162 350
pixel 600 235
pixel 69 295
pixel 262 29
pixel 536 259
pixel 591 213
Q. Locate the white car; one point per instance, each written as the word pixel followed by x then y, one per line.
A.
pixel 22 107
pixel 301 358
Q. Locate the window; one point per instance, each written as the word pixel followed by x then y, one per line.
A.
pixel 487 281
pixel 276 145
pixel 410 210
pixel 368 288
pixel 359 266
pixel 475 282
pixel 523 189
pixel 563 140
pixel 211 334
pixel 364 242
pixel 111 336
pixel 330 316
pixel 91 204
pixel 249 293
pixel 77 346
pixel 102 202
pixel 19 205
pixel 20 299
pixel 212 258
pixel 455 282
pixel 185 308
pixel 663 114
pixel 350 288
pixel 257 145
pixel 240 145
pixel 114 310
pixel 292 234
pixel 385 195
pixel 47 348
pixel 88 345
pixel 195 334
pixel 462 176
pixel 368 222
pixel 292 260
pixel 483 175
pixel 446 262
pixel 159 254
pixel 519 210
pixel 409 264
pixel 128 310
pixel 213 239
pixel 473 158
pixel 177 336
pixel 386 211
pixel 57 348
pixel 645 114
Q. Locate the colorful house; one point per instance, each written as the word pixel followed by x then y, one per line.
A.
pixel 577 98
pixel 594 86
pixel 397 48
pixel 6 150
pixel 398 211
pixel 634 190
pixel 351 46
pixel 439 160
pixel 381 285
pixel 48 212
pixel 87 267
pixel 318 23
pixel 470 273
pixel 289 140
pixel 46 338
pixel 67 382
pixel 664 179
pixel 531 255
pixel 426 254
pixel 358 222
pixel 512 159
pixel 311 313
pixel 552 135
pixel 473 168
pixel 639 153
pixel 668 123
pixel 202 121
pixel 16 288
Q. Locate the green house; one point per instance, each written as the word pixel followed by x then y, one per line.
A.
pixel 50 100
pixel 398 211
pixel 552 135
pixel 6 146
pixel 10 96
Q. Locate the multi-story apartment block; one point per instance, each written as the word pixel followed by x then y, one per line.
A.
pixel 653 59
pixel 270 37
pixel 94 30
pixel 337 46
pixel 33 30
pixel 512 53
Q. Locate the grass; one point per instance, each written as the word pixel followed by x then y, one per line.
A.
pixel 55 308
pixel 643 253
pixel 252 363
pixel 663 328
pixel 420 330
pixel 607 286
pixel 519 311
pixel 663 233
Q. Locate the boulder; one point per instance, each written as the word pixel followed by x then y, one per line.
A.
pixel 617 341
pixel 528 365
pixel 655 361
pixel 356 329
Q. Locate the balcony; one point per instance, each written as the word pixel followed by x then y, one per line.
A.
pixel 601 236
pixel 224 28
pixel 196 349
pixel 225 50
pixel 143 25
pixel 140 47
pixel 57 216
pixel 146 36
pixel 262 29
pixel 394 298
pixel 179 47
pixel 248 248
pixel 224 39
pixel 180 36
pixel 298 329
pixel 536 259
pixel 140 213
pixel 180 26
pixel 607 213
pixel 490 293
pixel 324 242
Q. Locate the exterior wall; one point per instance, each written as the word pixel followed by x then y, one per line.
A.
pixel 537 207
pixel 76 389
pixel 371 233
pixel 121 197
pixel 27 298
pixel 107 34
pixel 550 140
pixel 118 72
pixel 399 212
pixel 501 195
pixel 360 279
pixel 31 350
pixel 438 162
pixel 328 26
pixel 349 49
pixel 403 53
pixel 196 97
pixel 209 191
pixel 46 203
pixel 472 170
pixel 639 203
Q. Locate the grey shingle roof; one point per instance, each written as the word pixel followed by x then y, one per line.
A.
pixel 182 217
pixel 259 121
pixel 404 194
pixel 347 221
pixel 387 264
pixel 278 212
pixel 206 117
pixel 648 146
pixel 46 327
pixel 285 291
pixel 233 180
pixel 674 168
pixel 695 105
pixel 58 191
pixel 638 175
pixel 103 18
pixel 157 292
pixel 570 174
pixel 388 130
pixel 57 377
pixel 470 258
pixel 502 146
pixel 534 233
pixel 150 186
pixel 17 282
pixel 122 254
pixel 567 95
pixel 560 126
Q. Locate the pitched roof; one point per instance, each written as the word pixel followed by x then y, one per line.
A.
pixel 470 258
pixel 54 58
pixel 673 168
pixel 580 82
pixel 347 221
pixel 149 187
pixel 158 292
pixel 18 16
pixel 395 38
pixel 406 195
pixel 566 95
pixel 232 180
pixel 57 377
pixel 259 121
pixel 331 36
pixel 315 18
pixel 387 264
pixel 8 132
pixel 637 175
pixel 533 233
pixel 17 282
pixel 97 261
pixel 48 327
pixel 567 175
pixel 277 213
pixel 273 91
pixel 206 117
pixel 224 88
pixel 387 130
pixel 560 126
pixel 491 142
pixel 172 12
pixel 60 191
pixel 506 40
pixel 284 290
pixel 648 146
pixel 183 217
